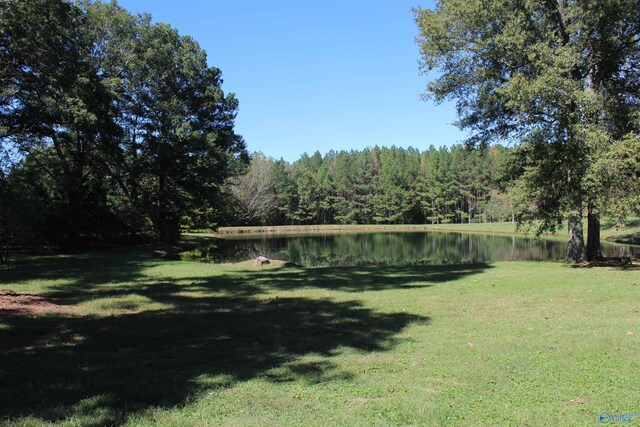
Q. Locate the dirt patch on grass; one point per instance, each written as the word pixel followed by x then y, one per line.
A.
pixel 273 263
pixel 12 302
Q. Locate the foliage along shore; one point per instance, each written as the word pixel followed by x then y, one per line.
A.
pixel 629 235
pixel 496 228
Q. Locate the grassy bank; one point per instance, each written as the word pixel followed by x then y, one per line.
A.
pixel 141 341
pixel 495 228
pixel 629 235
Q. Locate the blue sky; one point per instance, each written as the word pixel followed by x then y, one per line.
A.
pixel 318 75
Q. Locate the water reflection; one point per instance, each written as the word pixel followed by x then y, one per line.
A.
pixel 393 248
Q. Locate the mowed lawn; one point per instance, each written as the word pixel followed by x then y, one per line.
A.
pixel 143 341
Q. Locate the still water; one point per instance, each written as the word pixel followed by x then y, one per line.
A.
pixel 391 248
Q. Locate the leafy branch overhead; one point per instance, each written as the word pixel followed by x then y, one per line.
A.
pixel 119 125
pixel 558 78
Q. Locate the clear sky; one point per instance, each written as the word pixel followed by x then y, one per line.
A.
pixel 328 74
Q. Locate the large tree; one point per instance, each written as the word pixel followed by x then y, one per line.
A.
pixel 120 125
pixel 55 110
pixel 177 136
pixel 254 192
pixel 558 77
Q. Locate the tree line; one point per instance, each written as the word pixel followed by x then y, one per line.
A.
pixel 379 185
pixel 112 129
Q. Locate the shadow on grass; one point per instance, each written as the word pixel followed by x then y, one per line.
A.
pixel 213 333
pixel 626 239
pixel 55 367
pixel 87 269
pixel 257 281
pixel 360 279
pixel 620 263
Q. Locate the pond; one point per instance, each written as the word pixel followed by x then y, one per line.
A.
pixel 390 248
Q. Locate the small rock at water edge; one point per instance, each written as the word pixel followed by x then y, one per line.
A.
pixel 262 260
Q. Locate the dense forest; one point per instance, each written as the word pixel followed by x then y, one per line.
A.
pixel 377 185
pixel 115 130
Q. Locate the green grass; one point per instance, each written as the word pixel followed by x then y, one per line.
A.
pixel 629 235
pixel 496 228
pixel 182 343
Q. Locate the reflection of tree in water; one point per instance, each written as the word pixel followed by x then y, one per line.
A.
pixel 389 248
pixel 231 251
pixel 414 248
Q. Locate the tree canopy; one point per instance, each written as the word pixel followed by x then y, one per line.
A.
pixel 378 185
pixel 560 78
pixel 117 125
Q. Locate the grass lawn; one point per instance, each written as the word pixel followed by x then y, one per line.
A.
pixel 630 235
pixel 144 342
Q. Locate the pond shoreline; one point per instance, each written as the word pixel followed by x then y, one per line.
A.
pixel 357 246
pixel 455 228
pixel 627 236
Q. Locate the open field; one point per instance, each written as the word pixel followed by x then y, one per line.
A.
pixel 137 341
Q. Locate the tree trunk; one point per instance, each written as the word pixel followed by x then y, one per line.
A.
pixel 575 248
pixel 433 211
pixel 162 209
pixel 593 235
